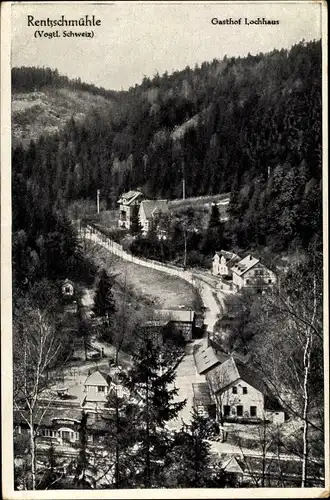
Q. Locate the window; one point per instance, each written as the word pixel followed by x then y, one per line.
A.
pixel 100 388
pixel 48 433
pixel 269 282
pixel 244 390
pixel 253 411
pixel 239 411
pixel 247 282
pixel 234 390
pixel 90 438
pixel 226 411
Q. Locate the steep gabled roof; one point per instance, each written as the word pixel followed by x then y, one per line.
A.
pixel 151 208
pixel 233 465
pixel 229 256
pixel 206 357
pixel 229 372
pixel 98 378
pixel 245 264
pixel 67 282
pixel 129 197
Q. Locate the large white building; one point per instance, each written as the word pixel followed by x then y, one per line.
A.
pixel 250 272
pixel 240 394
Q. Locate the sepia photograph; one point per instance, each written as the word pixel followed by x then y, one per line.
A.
pixel 164 243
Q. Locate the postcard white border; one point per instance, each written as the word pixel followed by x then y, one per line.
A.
pixel 6 292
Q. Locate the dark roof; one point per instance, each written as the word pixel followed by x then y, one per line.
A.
pixel 129 197
pixel 154 207
pixel 245 264
pixel 202 396
pixel 95 421
pixel 231 370
pixel 207 357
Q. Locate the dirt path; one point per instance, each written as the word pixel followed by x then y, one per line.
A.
pixel 186 375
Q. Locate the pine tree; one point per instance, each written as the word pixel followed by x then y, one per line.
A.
pixel 104 303
pixel 214 217
pixel 188 463
pixel 80 478
pixel 136 228
pixel 148 380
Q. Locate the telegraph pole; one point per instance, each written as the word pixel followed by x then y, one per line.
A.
pixel 98 200
pixel 183 182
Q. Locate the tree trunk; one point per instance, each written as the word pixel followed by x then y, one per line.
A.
pixel 185 249
pixel 33 454
pixel 307 353
pixel 307 362
pixel 117 444
pixel 147 482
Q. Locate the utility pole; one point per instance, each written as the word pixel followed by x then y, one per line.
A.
pixel 98 200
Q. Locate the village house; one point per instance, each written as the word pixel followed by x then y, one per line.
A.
pixel 128 203
pixel 250 272
pixel 223 261
pixel 67 289
pixel 181 321
pixel 97 386
pixel 60 424
pixel 240 394
pixel 150 211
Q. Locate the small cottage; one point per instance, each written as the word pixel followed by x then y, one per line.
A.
pixel 223 261
pixel 67 289
pixel 250 272
pixel 150 211
pixel 97 387
pixel 181 321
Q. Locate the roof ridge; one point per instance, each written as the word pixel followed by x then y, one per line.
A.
pixel 234 362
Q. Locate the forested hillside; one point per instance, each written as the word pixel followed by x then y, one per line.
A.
pixel 250 125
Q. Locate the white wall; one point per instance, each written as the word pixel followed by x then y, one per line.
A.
pixel 253 398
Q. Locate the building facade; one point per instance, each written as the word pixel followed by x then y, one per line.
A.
pixel 222 263
pixel 241 395
pixel 149 213
pixel 128 203
pixel 251 273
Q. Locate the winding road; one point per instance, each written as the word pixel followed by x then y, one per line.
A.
pixel 206 291
pixel 186 373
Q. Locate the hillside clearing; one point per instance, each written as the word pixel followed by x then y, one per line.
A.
pixel 163 290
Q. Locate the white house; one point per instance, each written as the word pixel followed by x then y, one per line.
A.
pixel 150 210
pixel 128 202
pixel 250 272
pixel 223 262
pixel 240 393
pixel 67 289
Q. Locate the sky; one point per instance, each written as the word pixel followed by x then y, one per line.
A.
pixel 137 39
